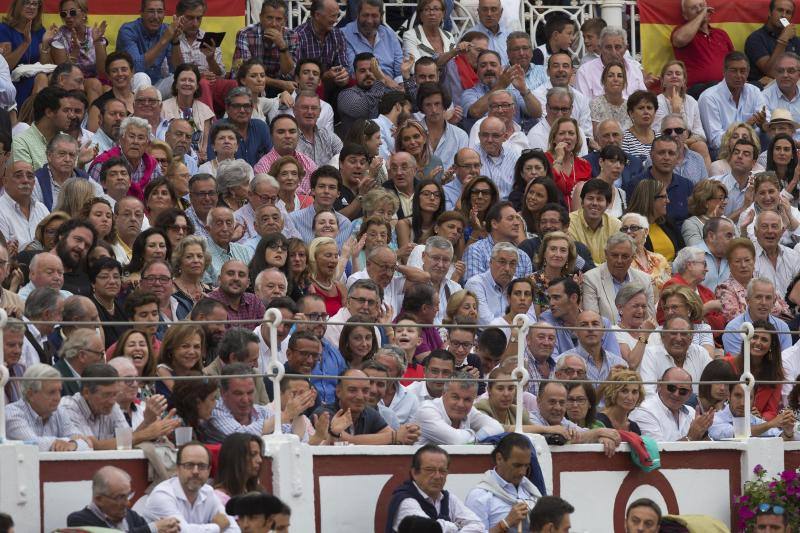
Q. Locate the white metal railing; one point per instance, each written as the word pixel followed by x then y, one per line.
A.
pixel 532 16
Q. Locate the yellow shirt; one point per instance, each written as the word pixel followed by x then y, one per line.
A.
pixel 595 240
pixel 661 242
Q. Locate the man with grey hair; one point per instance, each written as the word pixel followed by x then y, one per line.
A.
pixel 502 106
pixel 47 305
pixel 602 283
pixel 490 286
pixel 270 283
pixel 232 176
pixel 774 260
pixel 571 366
pixel 13 341
pixel 38 416
pixel 520 52
pixel 437 260
pixel 76 309
pixel 316 141
pixel 134 140
pixel 262 190
pixel 613 46
pixel 254 137
pixel 221 228
pixel 179 137
pixel 452 419
pixel 559 102
pixel 95 413
pixel 689 164
pixel 760 301
pixel 46 270
pixel 82 349
pixel 396 396
pixel 783 95
pixel 111 487
pixel 147 105
pixel 269 219
pixel 364 299
pixel 62 156
pixel 20 213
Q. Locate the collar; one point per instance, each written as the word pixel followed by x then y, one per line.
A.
pixel 425 495
pixel 505 485
pixel 105 518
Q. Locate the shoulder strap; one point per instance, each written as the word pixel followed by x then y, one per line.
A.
pixel 47 190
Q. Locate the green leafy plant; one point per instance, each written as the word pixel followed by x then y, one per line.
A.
pixel 783 490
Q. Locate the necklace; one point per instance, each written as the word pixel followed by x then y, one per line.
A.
pixel 321 285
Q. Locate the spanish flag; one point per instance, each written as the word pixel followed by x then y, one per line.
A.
pixel 739 18
pixel 221 15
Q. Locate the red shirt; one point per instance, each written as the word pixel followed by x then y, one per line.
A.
pixel 703 55
pixel 581 171
pixel 715 319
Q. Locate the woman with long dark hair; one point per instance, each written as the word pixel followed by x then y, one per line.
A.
pixel 538 193
pixel 194 402
pixel 478 195
pixel 650 200
pixel 272 251
pixel 149 245
pixel 427 205
pixel 357 344
pixel 531 165
pixel 766 365
pixel 240 459
pixel 367 133
pixel 782 159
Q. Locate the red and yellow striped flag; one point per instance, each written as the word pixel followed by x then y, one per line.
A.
pixel 221 15
pixel 739 18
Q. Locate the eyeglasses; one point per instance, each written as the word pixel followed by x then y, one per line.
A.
pixel 480 192
pixel 767 507
pixel 119 498
pixel 630 229
pixel 670 131
pixel 577 401
pixel 790 71
pixel 98 353
pixel 267 198
pixel 501 106
pixel 71 13
pixel 364 301
pixel 241 107
pixel 682 391
pixel 562 110
pixel 146 101
pixel 191 466
pixel 179 228
pixel 316 317
pixel 430 194
pixel 308 355
pixel 459 345
pixel 278 247
pixel 203 194
pixel 157 279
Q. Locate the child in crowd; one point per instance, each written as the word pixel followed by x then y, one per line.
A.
pixel 591 38
pixel 408 338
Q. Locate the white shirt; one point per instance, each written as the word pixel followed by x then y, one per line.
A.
pixel 264 353
pixel 29 354
pixel 490 508
pixel 516 140
pixel 580 107
pixel 437 428
pixel 334 331
pixel 393 293
pixel 404 404
pixel 791 369
pixel 168 499
pixel 462 520
pixel 656 361
pixel 14 225
pixel 658 422
pixel 420 390
pixel 785 269
pixel 539 134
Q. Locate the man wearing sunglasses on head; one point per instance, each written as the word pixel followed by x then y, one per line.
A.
pixel 772 518
pixel 665 417
pixel 689 164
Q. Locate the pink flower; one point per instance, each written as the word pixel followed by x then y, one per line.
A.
pixel 788 475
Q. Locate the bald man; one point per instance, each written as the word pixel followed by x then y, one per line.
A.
pixel 497 159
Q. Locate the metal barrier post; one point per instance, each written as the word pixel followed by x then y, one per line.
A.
pixel 521 373
pixel 612 12
pixel 747 376
pixel 273 318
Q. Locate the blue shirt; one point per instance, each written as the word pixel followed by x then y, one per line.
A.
pixel 478 254
pixel 452 192
pixel 717 273
pixel 678 191
pixel 536 76
pixel 630 173
pixel 136 40
pixel 303 220
pixel 387 136
pixel 219 256
pixel 732 342
pixel 718 110
pixel 330 364
pixel 566 342
pixel 594 372
pixel 387 49
pixel 722 427
pixel 500 169
pixel 490 508
pixel 735 193
pixel 478 91
pixel 256 146
pixel 492 300
pixel 497 41
pixel 453 139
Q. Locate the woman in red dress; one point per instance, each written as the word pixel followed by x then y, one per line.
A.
pixel 563 147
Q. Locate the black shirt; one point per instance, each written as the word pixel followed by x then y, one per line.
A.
pixel 761 43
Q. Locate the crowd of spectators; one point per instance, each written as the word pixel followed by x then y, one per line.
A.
pixel 346 174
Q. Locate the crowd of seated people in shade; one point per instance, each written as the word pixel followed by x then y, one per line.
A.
pixel 434 186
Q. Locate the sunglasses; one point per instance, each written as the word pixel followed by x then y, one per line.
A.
pixel 670 131
pixel 71 13
pixel 766 508
pixel 680 390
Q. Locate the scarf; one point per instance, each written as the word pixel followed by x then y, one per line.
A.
pixel 466 73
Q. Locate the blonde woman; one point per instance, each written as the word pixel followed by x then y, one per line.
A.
pixel 708 200
pixel 555 259
pixel 621 397
pixel 736 131
pixel 74 194
pixel 323 260
pixel 190 259
pixel 84 47
pixel 652 263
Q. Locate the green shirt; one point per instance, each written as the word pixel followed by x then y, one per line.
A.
pixel 30 146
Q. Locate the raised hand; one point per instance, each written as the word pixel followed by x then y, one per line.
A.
pixel 98 31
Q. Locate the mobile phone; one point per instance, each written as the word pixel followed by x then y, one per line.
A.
pixel 784 22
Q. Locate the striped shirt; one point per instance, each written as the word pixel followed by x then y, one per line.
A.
pixel 500 169
pixel 23 423
pixel 321 148
pixel 477 256
pixel 222 422
pixel 309 166
pixel 219 256
pixel 303 221
pixel 331 51
pixel 86 422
